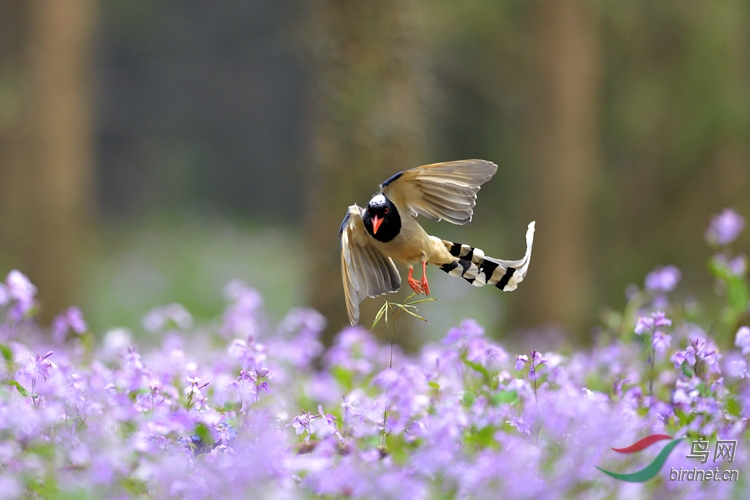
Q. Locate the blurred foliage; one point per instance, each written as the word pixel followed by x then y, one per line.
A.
pixel 142 264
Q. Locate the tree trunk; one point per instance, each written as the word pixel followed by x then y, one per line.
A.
pixel 367 124
pixel 564 172
pixel 45 143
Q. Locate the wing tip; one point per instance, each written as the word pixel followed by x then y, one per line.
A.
pixel 390 179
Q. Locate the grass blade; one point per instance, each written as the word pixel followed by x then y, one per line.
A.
pixel 380 315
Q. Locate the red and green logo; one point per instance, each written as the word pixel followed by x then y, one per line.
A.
pixel 651 469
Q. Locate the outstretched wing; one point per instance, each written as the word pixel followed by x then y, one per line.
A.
pixel 365 271
pixel 441 190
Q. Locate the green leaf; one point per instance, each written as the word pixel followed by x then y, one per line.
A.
pixel 203 432
pixel 733 407
pixel 405 308
pixel 20 388
pixel 343 377
pixel 503 397
pixel 483 438
pixel 421 301
pixel 379 315
pixel 7 353
pixel 737 294
pixel 477 367
pixel 468 398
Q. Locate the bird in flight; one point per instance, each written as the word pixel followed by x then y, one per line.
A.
pixel 372 238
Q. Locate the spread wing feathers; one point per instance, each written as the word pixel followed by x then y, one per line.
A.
pixel 472 265
pixel 366 272
pixel 441 190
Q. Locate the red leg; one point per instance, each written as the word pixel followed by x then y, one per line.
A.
pixel 414 284
pixel 425 285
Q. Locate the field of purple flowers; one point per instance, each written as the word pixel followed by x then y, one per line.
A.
pixel 240 408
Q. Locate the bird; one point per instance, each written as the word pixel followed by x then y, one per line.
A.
pixel 373 237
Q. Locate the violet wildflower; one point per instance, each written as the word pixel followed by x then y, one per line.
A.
pixel 724 227
pixel 194 393
pixel 736 265
pixel 534 360
pixel 305 325
pixel 742 339
pixel 20 293
pixel 661 341
pixel 663 279
pixel 657 319
pixel 72 319
pixel 166 317
pixel 737 368
pixel 243 317
pixel 700 354
pixel 301 424
pixel 520 425
pixel 250 354
pixel 467 329
pixel 521 360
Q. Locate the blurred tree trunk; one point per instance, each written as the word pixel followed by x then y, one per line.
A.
pixel 45 142
pixel 564 173
pixel 367 124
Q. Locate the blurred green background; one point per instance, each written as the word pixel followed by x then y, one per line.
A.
pixel 152 150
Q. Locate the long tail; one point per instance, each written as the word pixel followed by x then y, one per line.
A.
pixel 472 265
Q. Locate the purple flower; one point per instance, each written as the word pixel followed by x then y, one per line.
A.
pixel 519 424
pixel 661 341
pixel 698 353
pixel 737 265
pixel 243 318
pixel 468 329
pixel 521 359
pixel 20 292
pixel 737 368
pixel 166 317
pixel 656 320
pixel 742 339
pixel 72 319
pixel 724 227
pixel 534 360
pixel 663 279
pixel 305 326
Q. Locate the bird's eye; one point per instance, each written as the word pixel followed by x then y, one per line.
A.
pixel 386 210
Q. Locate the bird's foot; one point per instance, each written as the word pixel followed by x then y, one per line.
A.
pixel 424 285
pixel 414 284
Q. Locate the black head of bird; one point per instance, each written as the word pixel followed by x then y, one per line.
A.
pixel 372 238
pixel 381 218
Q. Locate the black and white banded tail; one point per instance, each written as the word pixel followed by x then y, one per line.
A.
pixel 472 265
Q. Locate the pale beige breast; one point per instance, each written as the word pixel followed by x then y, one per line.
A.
pixel 413 245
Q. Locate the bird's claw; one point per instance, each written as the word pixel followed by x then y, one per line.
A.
pixel 417 286
pixel 425 286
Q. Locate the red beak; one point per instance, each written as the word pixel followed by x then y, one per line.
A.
pixel 376 222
